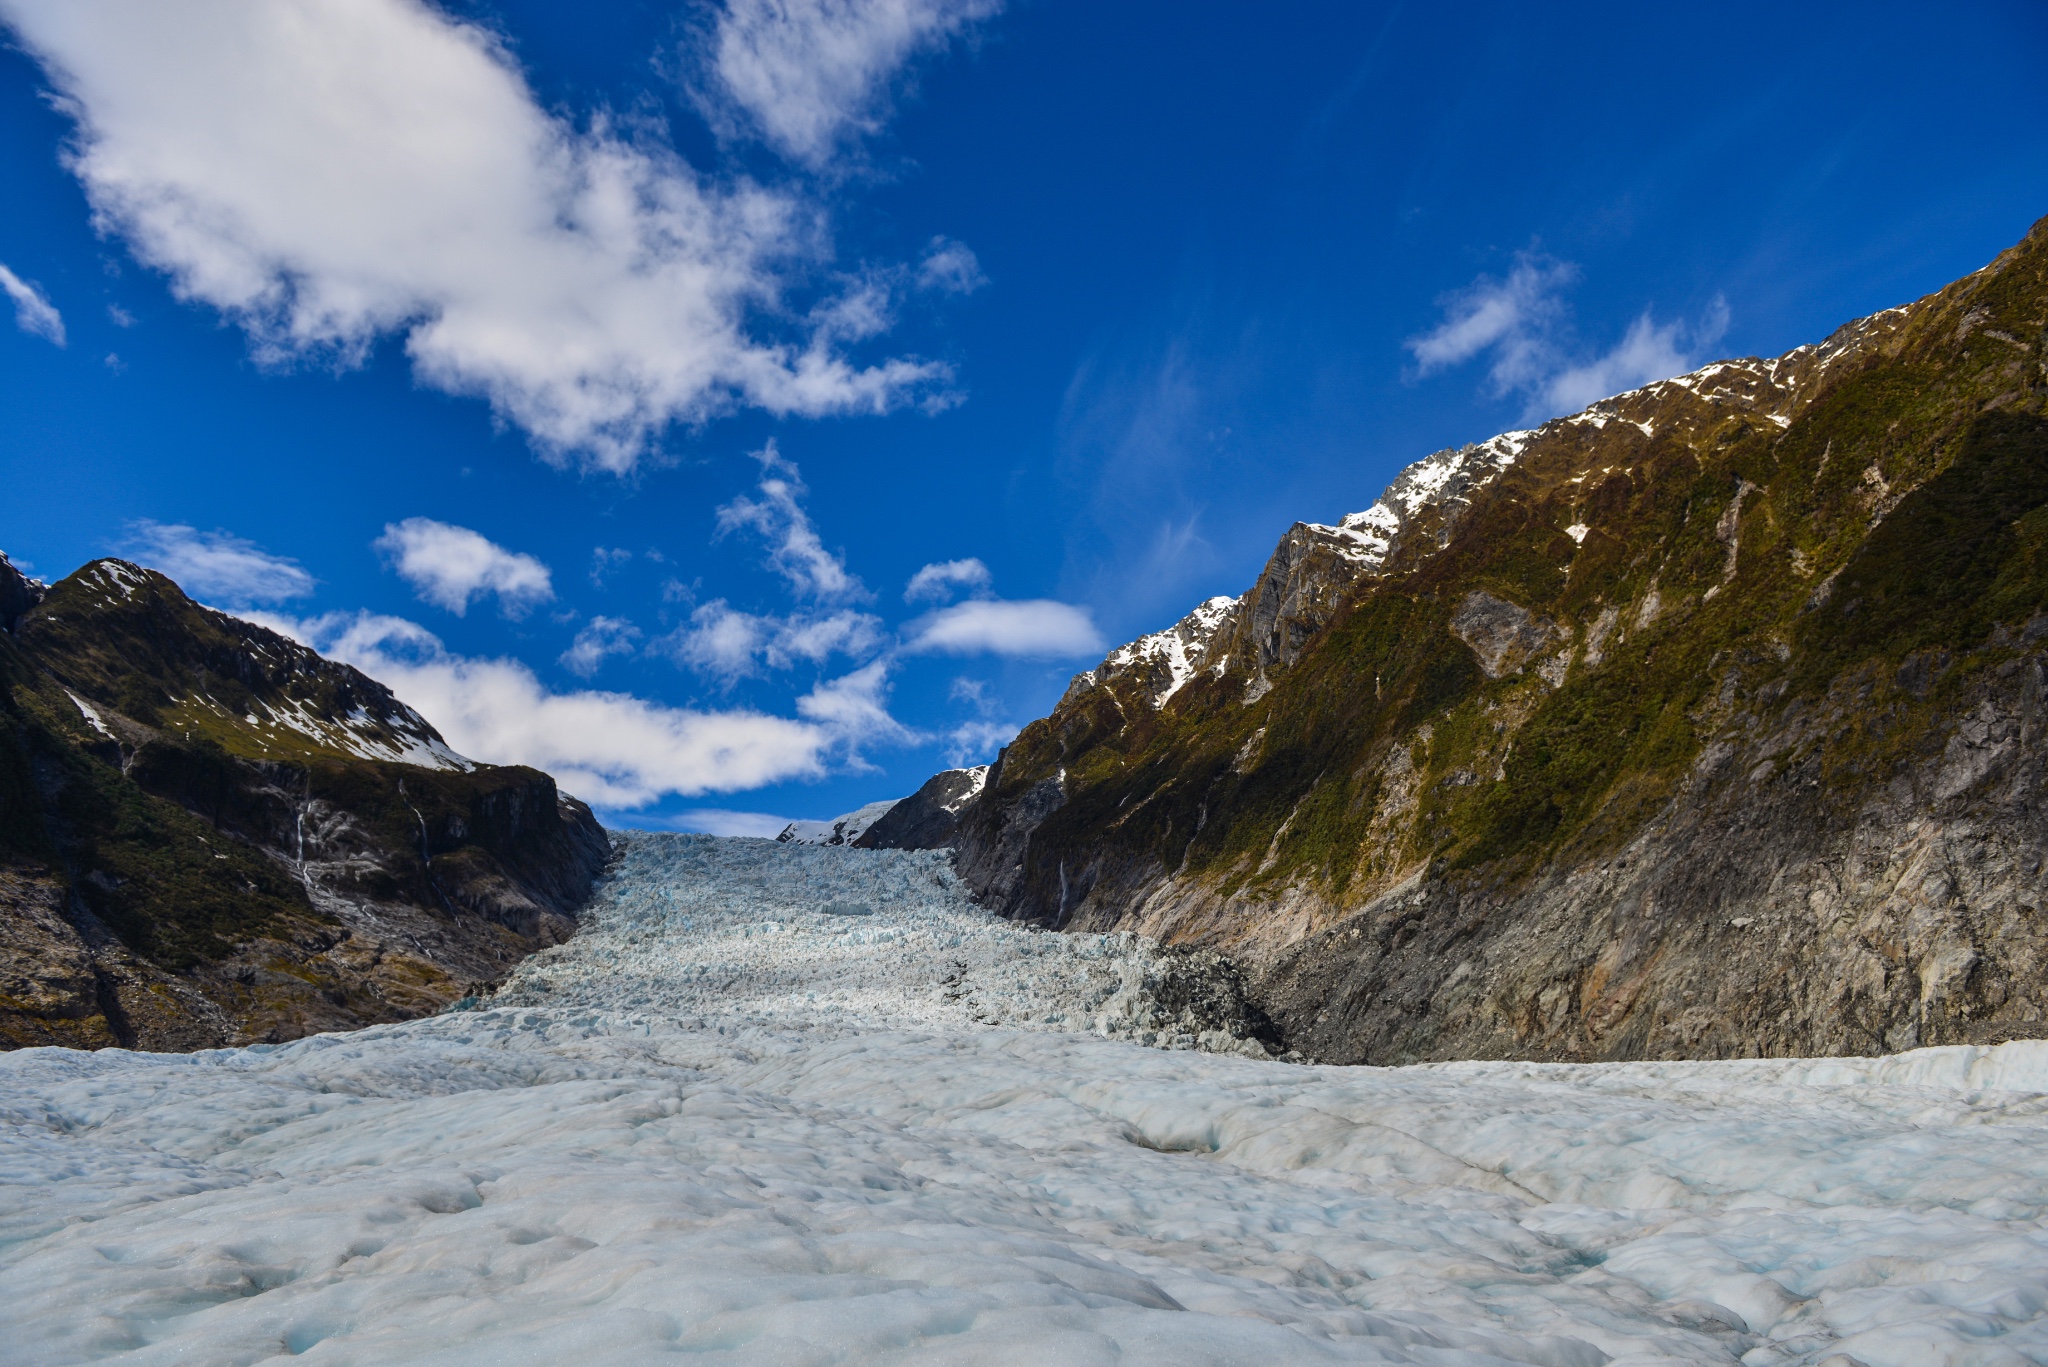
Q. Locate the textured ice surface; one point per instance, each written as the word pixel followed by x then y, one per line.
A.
pixel 702 930
pixel 656 1168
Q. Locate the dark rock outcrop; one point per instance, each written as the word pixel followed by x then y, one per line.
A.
pixel 18 593
pixel 927 819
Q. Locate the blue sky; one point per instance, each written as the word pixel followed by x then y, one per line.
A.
pixel 604 377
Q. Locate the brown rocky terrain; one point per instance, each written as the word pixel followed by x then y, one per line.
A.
pixel 209 835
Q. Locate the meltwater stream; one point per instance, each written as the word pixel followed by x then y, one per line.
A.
pixel 737 1121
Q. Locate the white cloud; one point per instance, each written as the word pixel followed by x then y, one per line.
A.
pixel 938 581
pixel 1522 322
pixel 950 268
pixel 976 741
pixel 611 749
pixel 719 641
pixel 794 545
pixel 600 638
pixel 1649 352
pixel 327 172
pixel 33 312
pixel 217 565
pixel 1035 629
pixel 718 821
pixel 729 645
pixel 854 706
pixel 808 74
pixel 449 566
pixel 848 633
pixel 603 560
pixel 1513 318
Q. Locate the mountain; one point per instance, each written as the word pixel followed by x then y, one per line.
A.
pixel 927 818
pixel 845 830
pixel 1705 722
pixel 210 835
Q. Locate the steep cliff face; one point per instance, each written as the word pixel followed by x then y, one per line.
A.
pixel 211 835
pixel 1704 722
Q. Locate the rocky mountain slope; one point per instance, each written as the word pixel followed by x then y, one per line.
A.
pixel 1705 722
pixel 211 835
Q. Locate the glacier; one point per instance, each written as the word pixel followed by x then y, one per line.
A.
pixel 784 1104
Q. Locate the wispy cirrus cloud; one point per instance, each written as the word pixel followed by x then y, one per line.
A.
pixel 1521 324
pixel 33 311
pixel 327 174
pixel 950 267
pixel 218 565
pixel 451 567
pixel 809 75
pixel 975 741
pixel 936 582
pixel 794 547
pixel 854 707
pixel 597 641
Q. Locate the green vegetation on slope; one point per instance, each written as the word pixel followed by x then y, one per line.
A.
pixel 1889 539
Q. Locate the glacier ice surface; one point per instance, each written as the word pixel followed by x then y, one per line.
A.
pixel 724 1126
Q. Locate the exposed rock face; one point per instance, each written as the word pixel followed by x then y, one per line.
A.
pixel 1502 637
pixel 18 593
pixel 1704 722
pixel 210 835
pixel 926 819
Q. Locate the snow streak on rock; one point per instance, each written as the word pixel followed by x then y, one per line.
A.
pixel 1435 481
pixel 717 1142
pixel 1168 658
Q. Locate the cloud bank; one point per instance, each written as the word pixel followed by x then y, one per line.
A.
pixel 33 312
pixel 328 172
pixel 217 565
pixel 452 566
pixel 611 749
pixel 1521 325
pixel 720 821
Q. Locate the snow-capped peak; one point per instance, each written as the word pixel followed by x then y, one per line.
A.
pixel 977 779
pixel 1172 656
pixel 843 830
pixel 1435 480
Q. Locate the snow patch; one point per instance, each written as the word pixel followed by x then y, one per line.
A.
pixel 91 714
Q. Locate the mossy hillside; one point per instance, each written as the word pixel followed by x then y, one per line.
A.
pixel 1758 608
pixel 129 640
pixel 175 889
pixel 182 834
